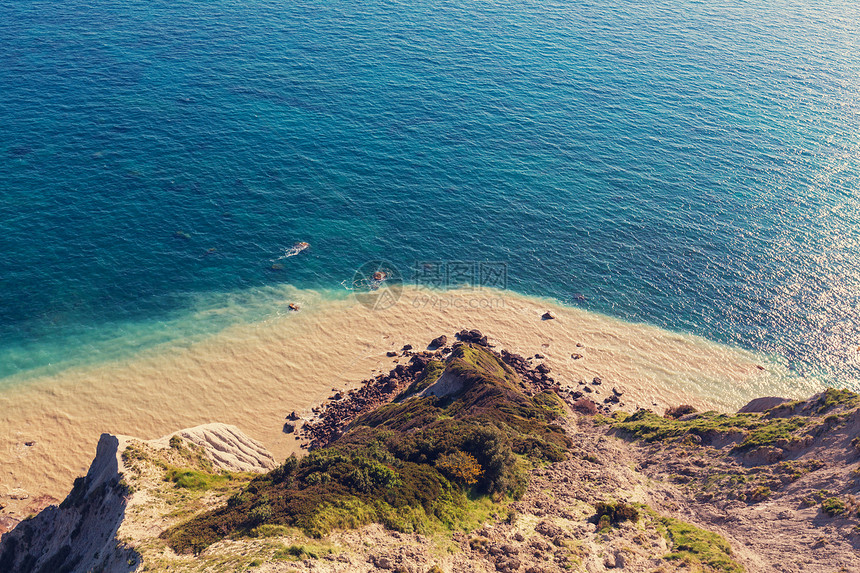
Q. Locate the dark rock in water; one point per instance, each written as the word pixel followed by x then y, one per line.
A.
pixel 406 347
pixel 293 416
pixel 391 354
pixel 20 150
pixel 576 356
pixel 548 316
pixel 543 369
pixel 580 345
pixel 540 356
pixel 588 389
pixel 617 392
pixel 293 306
pixel 473 336
pixel 289 427
pixel 597 381
pixel 439 342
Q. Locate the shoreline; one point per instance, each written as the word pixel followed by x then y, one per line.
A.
pixel 253 375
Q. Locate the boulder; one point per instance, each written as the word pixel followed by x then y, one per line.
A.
pixel 762 404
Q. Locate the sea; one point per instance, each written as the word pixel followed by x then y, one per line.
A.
pixel 690 165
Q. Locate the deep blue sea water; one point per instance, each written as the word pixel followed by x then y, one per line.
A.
pixel 693 165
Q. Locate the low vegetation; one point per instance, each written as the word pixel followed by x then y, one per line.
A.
pixel 699 549
pixel 418 464
pixel 194 479
pixel 823 403
pixel 833 506
pixel 786 424
pixel 611 513
pixel 752 430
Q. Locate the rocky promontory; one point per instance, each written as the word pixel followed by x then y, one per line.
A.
pixel 465 457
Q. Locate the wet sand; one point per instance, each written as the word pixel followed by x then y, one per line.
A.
pixel 254 375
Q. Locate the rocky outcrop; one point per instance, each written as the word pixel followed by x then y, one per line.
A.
pixel 473 336
pixel 80 534
pixel 333 417
pixel 227 447
pixel 762 404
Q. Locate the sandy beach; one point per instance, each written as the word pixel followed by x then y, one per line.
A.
pixel 254 375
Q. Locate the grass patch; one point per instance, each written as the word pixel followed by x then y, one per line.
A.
pixel 833 397
pixel 266 531
pixel 432 372
pixel 300 552
pixel 697 547
pixel 195 480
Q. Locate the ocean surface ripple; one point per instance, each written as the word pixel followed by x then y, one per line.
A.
pixel 691 165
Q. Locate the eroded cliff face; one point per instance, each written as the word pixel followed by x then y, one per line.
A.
pixel 82 533
pixel 504 471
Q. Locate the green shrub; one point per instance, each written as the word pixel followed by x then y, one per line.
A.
pixel 604 524
pixel 260 513
pixel 616 512
pixel 759 494
pixel 833 506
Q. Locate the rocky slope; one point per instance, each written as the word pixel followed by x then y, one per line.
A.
pixel 83 533
pixel 468 459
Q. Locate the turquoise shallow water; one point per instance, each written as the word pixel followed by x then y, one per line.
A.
pixel 690 165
